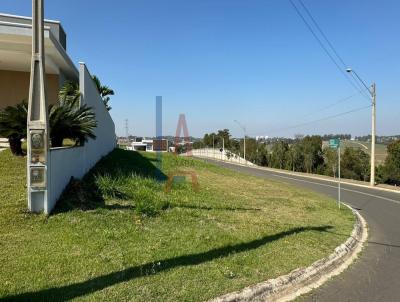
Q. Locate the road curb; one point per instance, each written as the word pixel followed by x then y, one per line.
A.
pixel 303 280
pixel 311 176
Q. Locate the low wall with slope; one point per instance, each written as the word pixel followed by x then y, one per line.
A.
pixel 65 163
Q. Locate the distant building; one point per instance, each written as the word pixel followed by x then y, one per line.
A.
pixel 149 145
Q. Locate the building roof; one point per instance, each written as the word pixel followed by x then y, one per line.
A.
pixel 16 46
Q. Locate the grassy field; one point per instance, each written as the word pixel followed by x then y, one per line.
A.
pixel 380 149
pixel 118 235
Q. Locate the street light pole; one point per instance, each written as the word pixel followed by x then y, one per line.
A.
pixel 373 135
pixel 372 91
pixel 244 139
pixel 213 147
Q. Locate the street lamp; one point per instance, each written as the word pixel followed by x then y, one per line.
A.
pixel 244 139
pixel 372 92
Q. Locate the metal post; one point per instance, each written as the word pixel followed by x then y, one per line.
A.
pixel 213 147
pixel 339 201
pixel 223 148
pixel 373 135
pixel 37 134
pixel 244 149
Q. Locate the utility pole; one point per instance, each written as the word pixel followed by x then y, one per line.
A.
pixel 126 130
pixel 372 92
pixel 339 201
pixel 244 148
pixel 244 139
pixel 373 134
pixel 213 147
pixel 38 170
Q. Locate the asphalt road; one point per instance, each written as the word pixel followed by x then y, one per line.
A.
pixel 375 276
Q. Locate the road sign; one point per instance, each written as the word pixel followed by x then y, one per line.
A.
pixel 334 143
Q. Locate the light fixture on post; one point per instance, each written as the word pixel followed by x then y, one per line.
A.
pixel 372 92
pixel 37 134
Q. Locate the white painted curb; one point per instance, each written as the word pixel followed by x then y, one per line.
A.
pixel 303 280
pixel 311 176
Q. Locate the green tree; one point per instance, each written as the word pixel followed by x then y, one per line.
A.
pixel 13 125
pixel 312 153
pixel 294 158
pixel 279 150
pixel 224 138
pixel 331 161
pixel 391 169
pixel 104 92
pixel 67 119
pixel 355 164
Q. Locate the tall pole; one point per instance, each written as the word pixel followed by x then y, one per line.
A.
pixel 244 148
pixel 372 92
pixel 244 139
pixel 213 147
pixel 339 176
pixel 373 134
pixel 37 132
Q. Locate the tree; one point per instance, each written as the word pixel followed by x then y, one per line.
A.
pixel 331 161
pixel 69 92
pixel 224 138
pixel 355 164
pixel 13 125
pixel 391 169
pixel 312 152
pixel 279 150
pixel 104 92
pixel 294 158
pixel 69 120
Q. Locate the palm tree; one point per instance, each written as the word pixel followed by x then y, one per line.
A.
pixel 69 92
pixel 67 119
pixel 104 92
pixel 70 120
pixel 13 126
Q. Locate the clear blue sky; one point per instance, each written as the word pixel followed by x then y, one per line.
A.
pixel 220 60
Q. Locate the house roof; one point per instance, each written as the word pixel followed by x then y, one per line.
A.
pixel 16 47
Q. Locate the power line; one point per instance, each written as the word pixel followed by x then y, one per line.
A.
pixel 339 101
pixel 330 44
pixel 309 27
pixel 321 119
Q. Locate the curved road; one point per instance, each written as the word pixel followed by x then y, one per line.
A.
pixel 375 276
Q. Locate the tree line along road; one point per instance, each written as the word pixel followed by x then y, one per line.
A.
pixel 375 276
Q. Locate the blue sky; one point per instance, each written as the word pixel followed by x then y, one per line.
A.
pixel 221 60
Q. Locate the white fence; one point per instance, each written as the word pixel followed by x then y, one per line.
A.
pixel 216 154
pixel 65 163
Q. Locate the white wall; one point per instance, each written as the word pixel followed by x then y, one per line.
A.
pixel 65 163
pixel 218 155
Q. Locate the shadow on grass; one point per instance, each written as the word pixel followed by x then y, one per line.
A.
pixel 85 194
pixel 206 208
pixel 71 291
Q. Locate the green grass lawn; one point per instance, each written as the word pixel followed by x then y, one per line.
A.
pixel 118 235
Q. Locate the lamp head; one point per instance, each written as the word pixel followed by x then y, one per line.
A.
pixel 349 70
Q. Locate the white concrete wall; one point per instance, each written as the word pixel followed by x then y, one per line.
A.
pixel 218 155
pixel 65 163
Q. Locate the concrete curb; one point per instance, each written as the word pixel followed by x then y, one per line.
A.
pixel 303 280
pixel 311 176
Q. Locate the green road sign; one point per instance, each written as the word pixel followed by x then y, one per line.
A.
pixel 334 143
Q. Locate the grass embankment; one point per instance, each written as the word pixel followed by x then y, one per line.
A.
pixel 117 236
